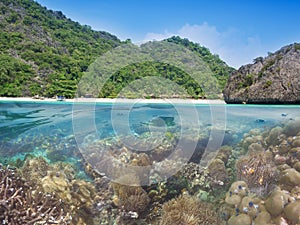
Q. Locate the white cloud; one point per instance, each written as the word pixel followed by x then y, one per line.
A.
pixel 157 37
pixel 231 45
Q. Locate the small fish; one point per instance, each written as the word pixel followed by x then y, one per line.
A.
pixel 237 211
pixel 251 204
pixel 284 114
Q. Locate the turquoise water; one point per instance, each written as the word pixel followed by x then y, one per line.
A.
pixel 27 127
pixel 55 130
pixel 86 154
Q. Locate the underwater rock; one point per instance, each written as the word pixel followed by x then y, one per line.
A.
pixel 289 178
pixel 292 128
pixel 273 137
pixel 240 188
pixel 240 219
pixel 217 170
pixel 295 152
pixel 236 192
pixel 279 220
pixel 292 212
pixel 283 167
pixel 232 199
pixel 263 218
pixel 284 147
pixel 224 153
pixel 255 148
pixel 295 192
pixel 254 132
pixel 249 207
pixel 297 166
pixel 276 201
pixel 248 141
pixel 280 160
pixel 296 142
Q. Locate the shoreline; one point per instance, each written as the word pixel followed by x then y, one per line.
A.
pixel 115 100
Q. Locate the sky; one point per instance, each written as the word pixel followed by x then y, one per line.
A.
pixel 238 31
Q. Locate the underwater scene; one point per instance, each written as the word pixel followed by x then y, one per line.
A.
pixel 149 163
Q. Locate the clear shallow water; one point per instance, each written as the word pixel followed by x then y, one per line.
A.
pixel 55 130
pixel 110 139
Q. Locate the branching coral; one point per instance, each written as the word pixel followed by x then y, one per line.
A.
pixel 78 195
pixel 20 205
pixel 188 210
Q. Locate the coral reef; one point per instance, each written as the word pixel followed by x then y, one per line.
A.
pixel 292 212
pixel 19 204
pixel 242 207
pixel 128 198
pixel 240 219
pixel 258 170
pixel 217 170
pixel 188 210
pixel 131 200
pixel 289 178
pixel 271 158
pixel 80 196
pixel 257 181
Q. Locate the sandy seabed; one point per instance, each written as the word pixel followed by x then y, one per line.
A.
pixel 115 100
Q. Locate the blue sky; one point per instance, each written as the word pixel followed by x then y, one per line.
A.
pixel 238 31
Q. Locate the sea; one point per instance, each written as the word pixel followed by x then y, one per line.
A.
pixel 68 132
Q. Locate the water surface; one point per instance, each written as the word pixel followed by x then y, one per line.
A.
pixel 38 128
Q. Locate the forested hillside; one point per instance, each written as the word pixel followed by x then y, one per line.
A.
pixel 219 68
pixel 153 89
pixel 44 53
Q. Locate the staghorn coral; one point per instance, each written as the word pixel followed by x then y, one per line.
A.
pixel 20 205
pixel 257 170
pixel 188 210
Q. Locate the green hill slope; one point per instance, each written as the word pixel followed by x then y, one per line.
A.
pixel 44 53
pixel 219 68
pixel 153 89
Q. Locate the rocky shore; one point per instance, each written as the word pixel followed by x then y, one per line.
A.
pixel 274 79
